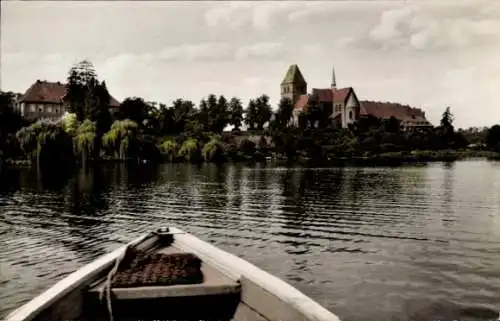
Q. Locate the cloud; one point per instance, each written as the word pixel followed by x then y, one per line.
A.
pixel 266 50
pixel 231 15
pixel 255 81
pixel 217 52
pixel 313 49
pixel 49 66
pixel 421 27
pixel 239 14
pixel 119 65
pixel 311 12
pixel 198 52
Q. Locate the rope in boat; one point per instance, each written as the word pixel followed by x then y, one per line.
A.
pixel 106 289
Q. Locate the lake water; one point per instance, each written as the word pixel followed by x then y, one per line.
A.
pixel 379 243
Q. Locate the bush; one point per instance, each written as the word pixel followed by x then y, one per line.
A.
pixel 189 150
pixel 247 147
pixel 121 140
pixel 169 149
pixel 148 150
pixel 45 142
pixel 213 150
pixel 84 140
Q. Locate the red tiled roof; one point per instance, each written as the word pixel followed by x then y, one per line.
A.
pixel 340 95
pixel 301 103
pixel 324 95
pixel 113 102
pixel 387 110
pixel 51 92
pixel 329 95
pixel 45 92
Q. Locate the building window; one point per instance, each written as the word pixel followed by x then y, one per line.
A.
pixel 350 114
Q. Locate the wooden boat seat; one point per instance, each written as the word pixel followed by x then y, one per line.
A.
pixel 214 283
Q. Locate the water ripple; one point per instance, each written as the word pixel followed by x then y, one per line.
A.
pixel 407 243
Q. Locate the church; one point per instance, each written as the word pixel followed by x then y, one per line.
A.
pixel 344 104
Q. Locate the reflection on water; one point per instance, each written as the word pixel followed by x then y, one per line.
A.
pixel 400 243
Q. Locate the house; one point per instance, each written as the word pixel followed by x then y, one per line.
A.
pixel 46 100
pixel 345 107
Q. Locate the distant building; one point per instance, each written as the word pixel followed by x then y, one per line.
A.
pixel 345 107
pixel 410 118
pixel 46 100
pixel 343 103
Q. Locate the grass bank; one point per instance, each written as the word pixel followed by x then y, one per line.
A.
pixel 401 157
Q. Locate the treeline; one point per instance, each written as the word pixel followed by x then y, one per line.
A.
pixel 143 130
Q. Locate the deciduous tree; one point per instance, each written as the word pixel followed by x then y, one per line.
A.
pixel 285 111
pixel 493 138
pixel 264 111
pixel 251 114
pixel 236 112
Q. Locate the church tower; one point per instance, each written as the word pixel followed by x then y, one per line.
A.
pixel 334 81
pixel 293 85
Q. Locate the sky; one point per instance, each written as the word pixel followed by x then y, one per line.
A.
pixel 428 54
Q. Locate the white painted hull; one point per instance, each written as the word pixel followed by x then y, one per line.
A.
pixel 251 294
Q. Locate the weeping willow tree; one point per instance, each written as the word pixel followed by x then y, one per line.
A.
pixel 44 142
pixel 69 123
pixel 213 150
pixel 169 148
pixel 189 150
pixel 121 140
pixel 84 142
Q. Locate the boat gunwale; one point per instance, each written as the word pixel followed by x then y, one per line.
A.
pixel 71 282
pixel 238 269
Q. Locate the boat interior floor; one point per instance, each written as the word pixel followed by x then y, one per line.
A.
pixel 214 297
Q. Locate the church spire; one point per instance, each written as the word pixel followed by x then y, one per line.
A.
pixel 334 82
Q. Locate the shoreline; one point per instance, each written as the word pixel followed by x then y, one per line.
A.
pixel 390 158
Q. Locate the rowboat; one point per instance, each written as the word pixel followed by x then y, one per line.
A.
pixel 169 274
